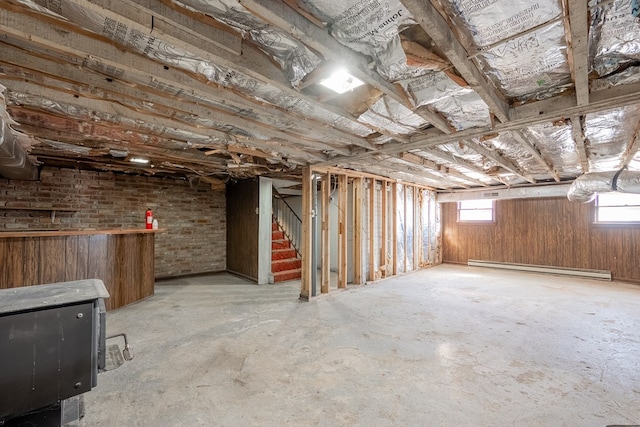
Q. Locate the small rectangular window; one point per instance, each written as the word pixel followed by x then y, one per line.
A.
pixel 618 208
pixel 475 211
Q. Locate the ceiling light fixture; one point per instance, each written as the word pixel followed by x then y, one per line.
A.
pixel 139 160
pixel 341 81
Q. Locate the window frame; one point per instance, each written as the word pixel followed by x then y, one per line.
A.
pixel 623 224
pixel 476 222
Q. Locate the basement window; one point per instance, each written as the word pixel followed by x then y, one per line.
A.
pixel 618 208
pixel 475 211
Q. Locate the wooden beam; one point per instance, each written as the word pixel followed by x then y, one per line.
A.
pixel 577 130
pixel 429 18
pixel 522 139
pixel 405 234
pixel 307 238
pixel 578 43
pixel 342 231
pixel 326 234
pixel 459 162
pixel 384 265
pixel 394 227
pixel 357 230
pixel 372 228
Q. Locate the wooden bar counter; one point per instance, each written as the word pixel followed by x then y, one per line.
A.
pixel 122 259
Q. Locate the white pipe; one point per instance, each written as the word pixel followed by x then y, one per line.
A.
pixel 585 188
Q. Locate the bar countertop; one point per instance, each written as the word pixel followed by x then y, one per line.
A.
pixel 56 233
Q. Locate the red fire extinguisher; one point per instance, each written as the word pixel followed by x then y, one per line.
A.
pixel 149 219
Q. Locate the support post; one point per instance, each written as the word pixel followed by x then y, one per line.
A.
pixel 384 266
pixel 342 231
pixel 307 211
pixel 326 241
pixel 357 230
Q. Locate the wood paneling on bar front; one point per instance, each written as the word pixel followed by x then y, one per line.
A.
pixel 550 231
pixel 124 262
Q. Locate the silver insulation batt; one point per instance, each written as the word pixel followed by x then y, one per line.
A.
pixel 393 117
pixel 526 67
pixel 609 133
pixel 165 53
pixel 292 56
pixel 460 105
pixel 512 149
pixel 556 144
pixel 614 36
pixel 370 27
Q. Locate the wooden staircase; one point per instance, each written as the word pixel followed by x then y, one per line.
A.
pixel 285 264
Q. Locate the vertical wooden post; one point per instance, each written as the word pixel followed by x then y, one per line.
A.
pixel 417 230
pixel 372 229
pixel 342 231
pixel 326 242
pixel 357 231
pixel 305 287
pixel 384 265
pixel 394 227
pixel 406 249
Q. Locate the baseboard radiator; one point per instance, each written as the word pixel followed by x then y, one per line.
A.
pixel 563 271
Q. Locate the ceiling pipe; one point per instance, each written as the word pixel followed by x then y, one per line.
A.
pixel 14 159
pixel 586 187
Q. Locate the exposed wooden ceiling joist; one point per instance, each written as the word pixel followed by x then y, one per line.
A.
pixel 284 17
pixel 577 131
pixel 579 49
pixel 418 160
pixel 437 28
pixel 499 159
pixel 522 139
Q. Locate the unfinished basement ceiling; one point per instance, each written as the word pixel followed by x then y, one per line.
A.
pixel 455 94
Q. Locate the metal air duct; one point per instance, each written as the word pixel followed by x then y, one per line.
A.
pixel 585 188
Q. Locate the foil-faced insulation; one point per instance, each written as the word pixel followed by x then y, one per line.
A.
pixel 370 27
pixel 525 67
pixel 614 35
pixel 609 133
pixel 470 156
pixel 556 144
pixel 292 56
pixel 14 160
pixel 393 117
pixel 629 76
pixel 514 150
pixel 532 66
pixel 460 168
pixel 165 53
pixel 462 107
pixel 490 21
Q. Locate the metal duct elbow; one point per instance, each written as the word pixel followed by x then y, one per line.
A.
pixel 586 187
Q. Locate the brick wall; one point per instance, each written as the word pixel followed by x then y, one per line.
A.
pixel 194 217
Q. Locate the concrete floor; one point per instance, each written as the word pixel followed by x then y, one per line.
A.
pixel 447 346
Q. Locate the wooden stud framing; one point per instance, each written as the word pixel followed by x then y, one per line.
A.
pixel 342 231
pixel 326 240
pixel 394 206
pixel 357 230
pixel 417 229
pixel 372 229
pixel 307 208
pixel 404 235
pixel 383 231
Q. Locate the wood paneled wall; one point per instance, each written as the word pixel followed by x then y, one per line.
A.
pixel 551 231
pixel 242 228
pixel 124 262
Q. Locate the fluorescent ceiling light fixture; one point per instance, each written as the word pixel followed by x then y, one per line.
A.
pixel 341 81
pixel 139 160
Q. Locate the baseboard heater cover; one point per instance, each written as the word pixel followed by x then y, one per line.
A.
pixel 563 271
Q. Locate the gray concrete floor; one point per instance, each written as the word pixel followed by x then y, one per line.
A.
pixel 447 346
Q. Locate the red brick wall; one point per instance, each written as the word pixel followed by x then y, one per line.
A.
pixel 194 217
